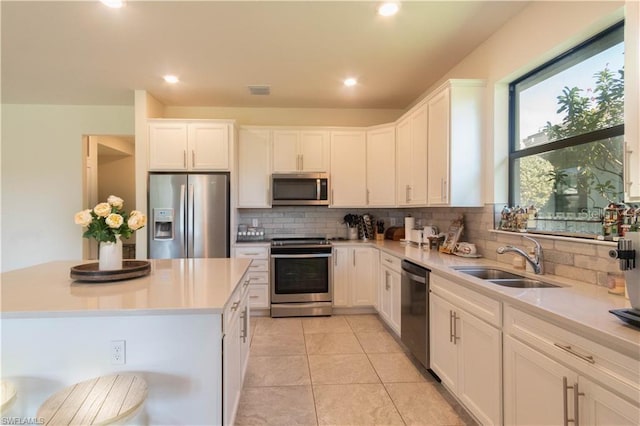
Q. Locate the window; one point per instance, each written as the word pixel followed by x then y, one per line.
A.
pixel 566 137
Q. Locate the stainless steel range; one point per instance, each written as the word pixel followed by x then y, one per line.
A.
pixel 301 277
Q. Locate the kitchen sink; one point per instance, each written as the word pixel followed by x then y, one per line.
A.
pixel 503 278
pixel 488 273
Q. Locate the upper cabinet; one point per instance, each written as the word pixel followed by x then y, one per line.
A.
pixel 411 158
pixel 254 168
pixel 632 101
pixel 348 169
pixel 381 166
pixel 300 151
pixel 454 143
pixel 176 145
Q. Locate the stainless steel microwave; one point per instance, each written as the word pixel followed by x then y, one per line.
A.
pixel 300 189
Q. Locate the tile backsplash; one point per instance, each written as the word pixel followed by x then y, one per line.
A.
pixel 586 261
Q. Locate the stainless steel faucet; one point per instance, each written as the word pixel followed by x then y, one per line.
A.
pixel 537 262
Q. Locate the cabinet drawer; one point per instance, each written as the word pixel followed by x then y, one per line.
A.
pixel 253 252
pixel 616 371
pixel 259 265
pixel 391 262
pixel 483 307
pixel 258 277
pixel 259 296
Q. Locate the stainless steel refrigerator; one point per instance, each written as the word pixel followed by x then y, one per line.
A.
pixel 189 215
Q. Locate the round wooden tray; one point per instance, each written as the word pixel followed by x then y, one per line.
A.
pixel 130 269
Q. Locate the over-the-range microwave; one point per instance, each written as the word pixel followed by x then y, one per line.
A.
pixel 300 189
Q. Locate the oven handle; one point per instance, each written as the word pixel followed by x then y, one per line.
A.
pixel 300 256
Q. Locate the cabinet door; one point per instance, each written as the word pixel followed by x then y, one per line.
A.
pixel 208 146
pixel 403 162
pixel 599 407
pixel 381 167
pixel 396 300
pixel 362 279
pixel 479 368
pixel 314 151
pixel 231 371
pixel 438 149
pixel 254 171
pixel 168 146
pixel 341 267
pixel 285 151
pixel 443 351
pixel 534 393
pixel 418 159
pixel 348 169
pixel 384 304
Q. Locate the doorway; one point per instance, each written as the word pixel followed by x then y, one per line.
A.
pixel 109 169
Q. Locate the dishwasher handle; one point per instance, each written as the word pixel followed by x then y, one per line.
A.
pixel 415 272
pixel 414 277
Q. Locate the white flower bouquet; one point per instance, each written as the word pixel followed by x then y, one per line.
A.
pixel 106 221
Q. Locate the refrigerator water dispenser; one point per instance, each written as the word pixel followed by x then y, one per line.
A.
pixel 163 228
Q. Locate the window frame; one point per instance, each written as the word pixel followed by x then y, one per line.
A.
pixel 571 141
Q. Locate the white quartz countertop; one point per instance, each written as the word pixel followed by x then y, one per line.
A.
pixel 582 308
pixel 174 286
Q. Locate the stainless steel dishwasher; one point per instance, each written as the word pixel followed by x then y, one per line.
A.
pixel 414 321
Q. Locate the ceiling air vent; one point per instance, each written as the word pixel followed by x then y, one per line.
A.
pixel 260 89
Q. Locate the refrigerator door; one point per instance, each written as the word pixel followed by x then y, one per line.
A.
pixel 167 206
pixel 208 215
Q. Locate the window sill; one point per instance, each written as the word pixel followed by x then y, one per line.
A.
pixel 556 237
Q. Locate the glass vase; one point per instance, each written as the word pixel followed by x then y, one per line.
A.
pixel 110 256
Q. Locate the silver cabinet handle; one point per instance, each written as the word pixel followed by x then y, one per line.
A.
pixel 331 196
pixel 368 193
pixel 253 297
pixel 568 348
pixel 451 326
pixel 627 158
pixel 235 305
pixel 193 158
pixel 354 258
pixel 246 283
pixel 184 158
pixel 301 162
pixel 388 260
pixel 576 403
pixel 251 254
pixel 406 193
pixel 386 280
pixel 245 331
pixel 455 327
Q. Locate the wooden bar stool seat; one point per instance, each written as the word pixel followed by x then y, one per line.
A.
pixel 7 395
pixel 99 401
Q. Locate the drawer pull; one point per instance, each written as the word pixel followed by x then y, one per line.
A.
pixel 569 349
pixel 254 297
pixel 235 305
pixel 388 260
pixel 251 254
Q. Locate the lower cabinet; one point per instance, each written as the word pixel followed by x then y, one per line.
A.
pixel 258 274
pixel 235 350
pixel 465 352
pixel 353 276
pixel 539 389
pixel 389 291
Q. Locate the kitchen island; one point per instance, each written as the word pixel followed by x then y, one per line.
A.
pixel 56 331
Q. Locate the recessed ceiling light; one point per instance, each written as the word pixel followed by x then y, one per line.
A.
pixel 172 79
pixel 349 82
pixel 114 4
pixel 388 9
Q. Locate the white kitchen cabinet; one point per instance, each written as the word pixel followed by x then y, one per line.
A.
pixel 300 151
pixel 254 168
pixel 176 145
pixel 543 364
pixel 348 169
pixel 465 350
pixel 381 166
pixel 235 344
pixel 389 291
pixel 411 158
pixel 258 273
pixel 353 276
pixel 454 144
pixel 632 102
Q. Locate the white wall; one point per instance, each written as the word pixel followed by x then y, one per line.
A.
pixel 539 33
pixel 42 177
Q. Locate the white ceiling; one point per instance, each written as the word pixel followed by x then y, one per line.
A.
pixel 81 52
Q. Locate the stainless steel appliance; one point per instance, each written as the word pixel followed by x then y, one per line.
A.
pixel 189 215
pixel 300 189
pixel 414 317
pixel 301 277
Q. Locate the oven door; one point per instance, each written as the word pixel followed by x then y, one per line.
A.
pixel 301 278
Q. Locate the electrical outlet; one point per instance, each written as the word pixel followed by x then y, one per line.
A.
pixel 118 352
pixel 392 221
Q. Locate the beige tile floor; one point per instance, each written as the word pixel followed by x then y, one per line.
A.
pixel 339 370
